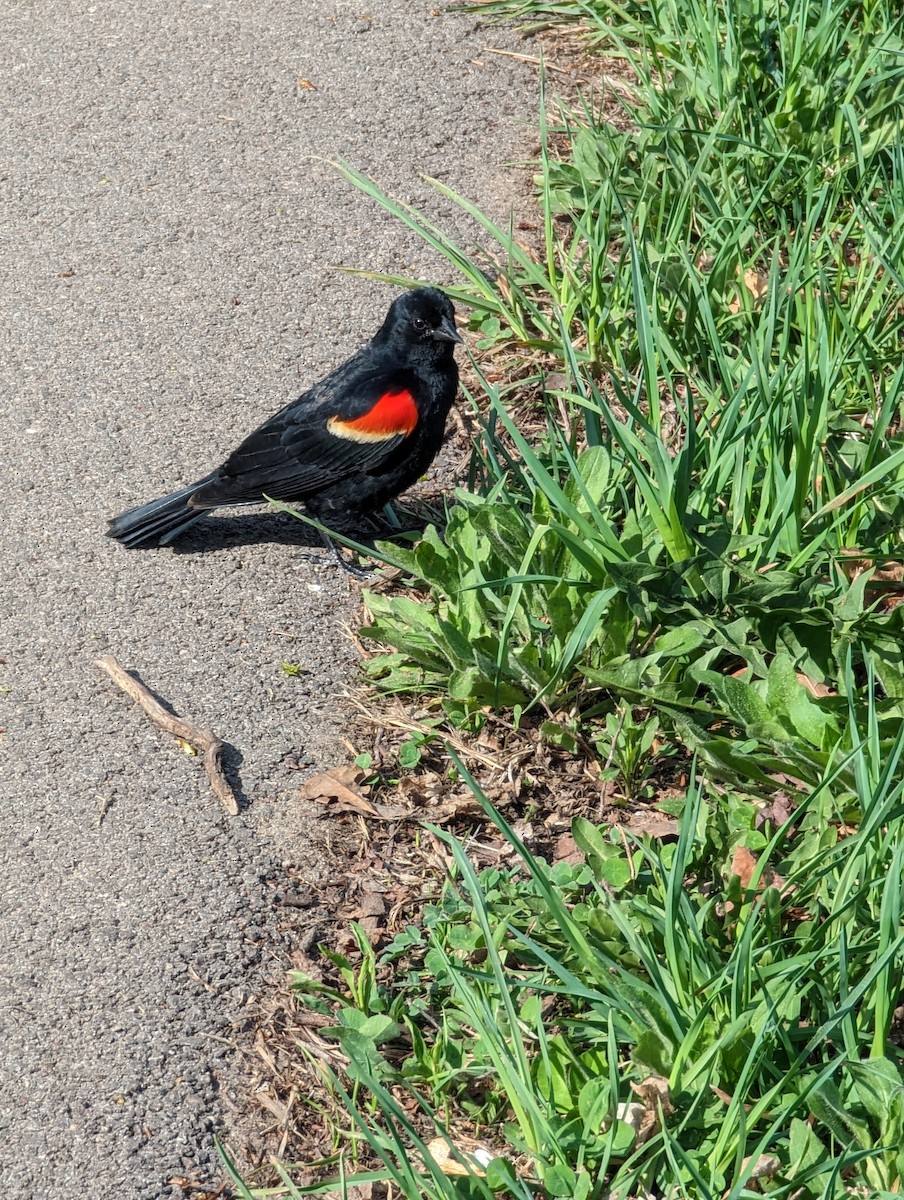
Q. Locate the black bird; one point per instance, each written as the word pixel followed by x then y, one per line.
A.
pixel 346 447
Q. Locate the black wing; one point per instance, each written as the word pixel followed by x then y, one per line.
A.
pixel 347 424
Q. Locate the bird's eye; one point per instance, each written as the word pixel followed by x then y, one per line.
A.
pixel 419 323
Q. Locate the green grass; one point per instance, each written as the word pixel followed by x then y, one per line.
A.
pixel 713 313
pixel 533 997
pixel 723 448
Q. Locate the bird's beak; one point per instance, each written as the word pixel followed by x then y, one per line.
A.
pixel 446 331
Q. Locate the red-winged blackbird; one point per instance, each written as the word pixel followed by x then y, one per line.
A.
pixel 345 448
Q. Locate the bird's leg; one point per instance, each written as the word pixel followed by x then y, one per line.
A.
pixel 336 554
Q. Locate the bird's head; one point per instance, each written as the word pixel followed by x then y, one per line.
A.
pixel 424 317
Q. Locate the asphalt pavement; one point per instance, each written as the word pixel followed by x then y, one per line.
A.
pixel 169 228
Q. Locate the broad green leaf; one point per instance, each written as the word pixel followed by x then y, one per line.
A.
pixel 652 1052
pixel 378 1027
pixel 805 1148
pixel 786 694
pixel 682 640
pixel 595 467
pixel 744 705
pixel 880 1088
pixel 616 872
pixel 559 1180
pixel 594 1103
pixel 827 1106
pixel 557 1074
pixel 501 1176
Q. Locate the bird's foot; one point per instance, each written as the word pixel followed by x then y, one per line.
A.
pixel 351 568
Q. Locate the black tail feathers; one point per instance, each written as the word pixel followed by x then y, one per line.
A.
pixel 159 522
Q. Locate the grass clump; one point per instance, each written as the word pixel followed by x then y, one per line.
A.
pixel 699 543
pixel 662 1018
pixel 716 335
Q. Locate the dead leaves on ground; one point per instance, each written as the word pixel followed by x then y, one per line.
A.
pixel 469 1157
pixel 777 812
pixel 338 788
pixel 745 865
pixel 645 1115
pixel 756 284
pixel 885 587
pixel 345 789
pixel 394 859
pixel 425 797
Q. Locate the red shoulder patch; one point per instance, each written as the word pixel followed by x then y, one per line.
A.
pixel 394 415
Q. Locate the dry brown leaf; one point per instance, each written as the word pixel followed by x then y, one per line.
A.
pixel 740 672
pixel 764 1167
pixel 373 927
pixel 338 788
pixel 886 585
pixel 447 1157
pixel 352 1191
pixel 334 785
pixel 726 1098
pixel 437 854
pixel 567 851
pixel 789 780
pixel 743 864
pixel 777 812
pixel 817 690
pixel 653 1093
pixel 555 382
pixel 447 812
pixel 892 572
pixel 372 905
pixel 631 1113
pixel 430 802
pixel 276 1107
pixel 756 283
pixel 853 562
pixel 662 828
pixel 655 826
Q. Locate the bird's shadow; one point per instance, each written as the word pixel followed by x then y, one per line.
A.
pixel 230 531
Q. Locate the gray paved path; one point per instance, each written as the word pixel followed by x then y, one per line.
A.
pixel 166 225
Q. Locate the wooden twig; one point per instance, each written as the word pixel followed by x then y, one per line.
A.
pixel 201 739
